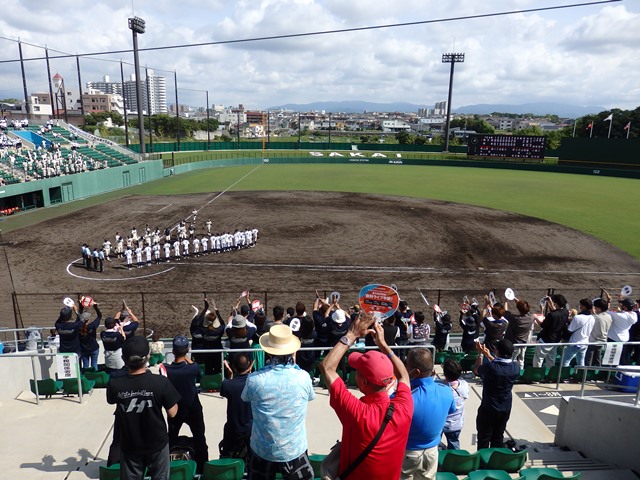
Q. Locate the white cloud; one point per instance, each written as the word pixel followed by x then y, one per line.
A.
pixel 580 55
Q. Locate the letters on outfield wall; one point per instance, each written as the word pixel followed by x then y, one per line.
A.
pixel 354 155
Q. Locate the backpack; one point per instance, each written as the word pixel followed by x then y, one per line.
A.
pixel 183 449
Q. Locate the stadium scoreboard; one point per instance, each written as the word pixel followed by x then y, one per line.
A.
pixel 509 146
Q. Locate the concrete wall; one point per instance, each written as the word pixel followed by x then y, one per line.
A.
pixel 16 371
pixel 601 429
pixel 87 184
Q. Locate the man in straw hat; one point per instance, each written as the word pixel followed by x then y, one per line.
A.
pixel 279 394
pixel 362 418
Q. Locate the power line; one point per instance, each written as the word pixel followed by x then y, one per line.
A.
pixel 326 32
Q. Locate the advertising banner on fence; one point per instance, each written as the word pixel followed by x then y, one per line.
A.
pixel 380 300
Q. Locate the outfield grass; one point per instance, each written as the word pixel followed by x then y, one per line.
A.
pixel 605 207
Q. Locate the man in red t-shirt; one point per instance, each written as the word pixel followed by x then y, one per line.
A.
pixel 361 418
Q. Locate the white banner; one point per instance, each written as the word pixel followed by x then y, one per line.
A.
pixel 612 353
pixel 67 364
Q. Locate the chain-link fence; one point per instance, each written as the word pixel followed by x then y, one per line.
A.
pixel 170 312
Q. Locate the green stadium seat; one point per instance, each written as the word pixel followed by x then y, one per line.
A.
pixel 468 361
pixel 540 473
pixel 109 473
pixel 533 375
pixel 101 378
pixel 460 462
pixel 565 373
pixel 182 469
pixel 70 385
pixel 211 382
pixel 488 475
pixel 316 462
pixel 446 476
pixel 223 469
pixel 502 459
pixel 46 387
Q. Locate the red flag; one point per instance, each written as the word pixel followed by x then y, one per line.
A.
pixel 590 126
pixel 627 126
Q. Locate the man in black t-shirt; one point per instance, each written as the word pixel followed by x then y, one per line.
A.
pixel 183 374
pixel 140 397
pixel 237 430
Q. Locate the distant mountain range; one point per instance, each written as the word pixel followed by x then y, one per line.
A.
pixel 539 109
pixel 355 106
pixel 352 106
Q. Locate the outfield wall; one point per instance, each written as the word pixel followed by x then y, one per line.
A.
pixel 50 191
pixel 46 192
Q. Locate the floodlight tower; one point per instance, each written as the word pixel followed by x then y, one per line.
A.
pixel 137 26
pixel 451 58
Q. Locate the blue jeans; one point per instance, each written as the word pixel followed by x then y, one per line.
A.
pixel 89 360
pixel 576 350
pixel 453 440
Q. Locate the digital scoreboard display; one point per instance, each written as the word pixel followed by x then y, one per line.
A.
pixel 506 146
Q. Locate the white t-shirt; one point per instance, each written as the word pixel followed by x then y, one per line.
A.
pixel 620 325
pixel 581 326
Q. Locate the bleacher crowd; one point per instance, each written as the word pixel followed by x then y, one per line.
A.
pixel 61 153
pixel 266 409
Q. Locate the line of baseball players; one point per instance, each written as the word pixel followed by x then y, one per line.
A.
pixel 140 249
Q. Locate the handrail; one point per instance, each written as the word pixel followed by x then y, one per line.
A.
pixel 626 368
pixel 33 369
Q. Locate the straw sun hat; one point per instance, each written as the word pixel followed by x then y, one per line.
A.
pixel 280 341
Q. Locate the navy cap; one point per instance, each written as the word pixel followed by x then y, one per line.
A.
pixel 180 341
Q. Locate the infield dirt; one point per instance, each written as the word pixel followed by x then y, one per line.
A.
pixel 307 241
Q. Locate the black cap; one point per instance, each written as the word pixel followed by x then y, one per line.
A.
pixel 136 346
pixel 627 303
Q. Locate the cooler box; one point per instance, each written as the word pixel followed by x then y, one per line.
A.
pixel 627 381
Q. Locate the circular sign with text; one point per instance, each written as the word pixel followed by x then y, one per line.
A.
pixel 379 300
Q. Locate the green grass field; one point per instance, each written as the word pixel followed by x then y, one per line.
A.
pixel 605 207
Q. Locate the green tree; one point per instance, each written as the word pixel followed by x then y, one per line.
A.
pixel 403 137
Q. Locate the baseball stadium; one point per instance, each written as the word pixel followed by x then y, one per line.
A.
pixel 437 229
pixel 144 234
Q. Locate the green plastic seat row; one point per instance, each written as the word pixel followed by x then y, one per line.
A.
pixel 461 462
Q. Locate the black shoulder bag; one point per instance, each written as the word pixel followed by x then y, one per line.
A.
pixel 327 474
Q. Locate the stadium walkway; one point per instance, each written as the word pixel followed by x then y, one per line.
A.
pixel 63 439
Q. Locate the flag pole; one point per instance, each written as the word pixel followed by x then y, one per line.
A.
pixel 574 127
pixel 628 130
pixel 591 130
pixel 610 124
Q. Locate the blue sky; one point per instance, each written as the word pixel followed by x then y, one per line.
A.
pixel 583 56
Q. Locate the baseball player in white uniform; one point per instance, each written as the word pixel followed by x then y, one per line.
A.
pixel 196 246
pixel 176 249
pixel 205 243
pixel 128 253
pixel 106 246
pixel 167 251
pixel 139 256
pixel 156 252
pixel 185 247
pixel 119 245
pixel 208 226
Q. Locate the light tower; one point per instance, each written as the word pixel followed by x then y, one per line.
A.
pixel 451 58
pixel 137 26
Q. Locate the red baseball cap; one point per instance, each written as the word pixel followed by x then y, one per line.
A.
pixel 374 366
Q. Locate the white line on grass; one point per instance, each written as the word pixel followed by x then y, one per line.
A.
pixel 231 186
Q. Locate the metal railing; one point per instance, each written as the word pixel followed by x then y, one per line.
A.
pixel 33 355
